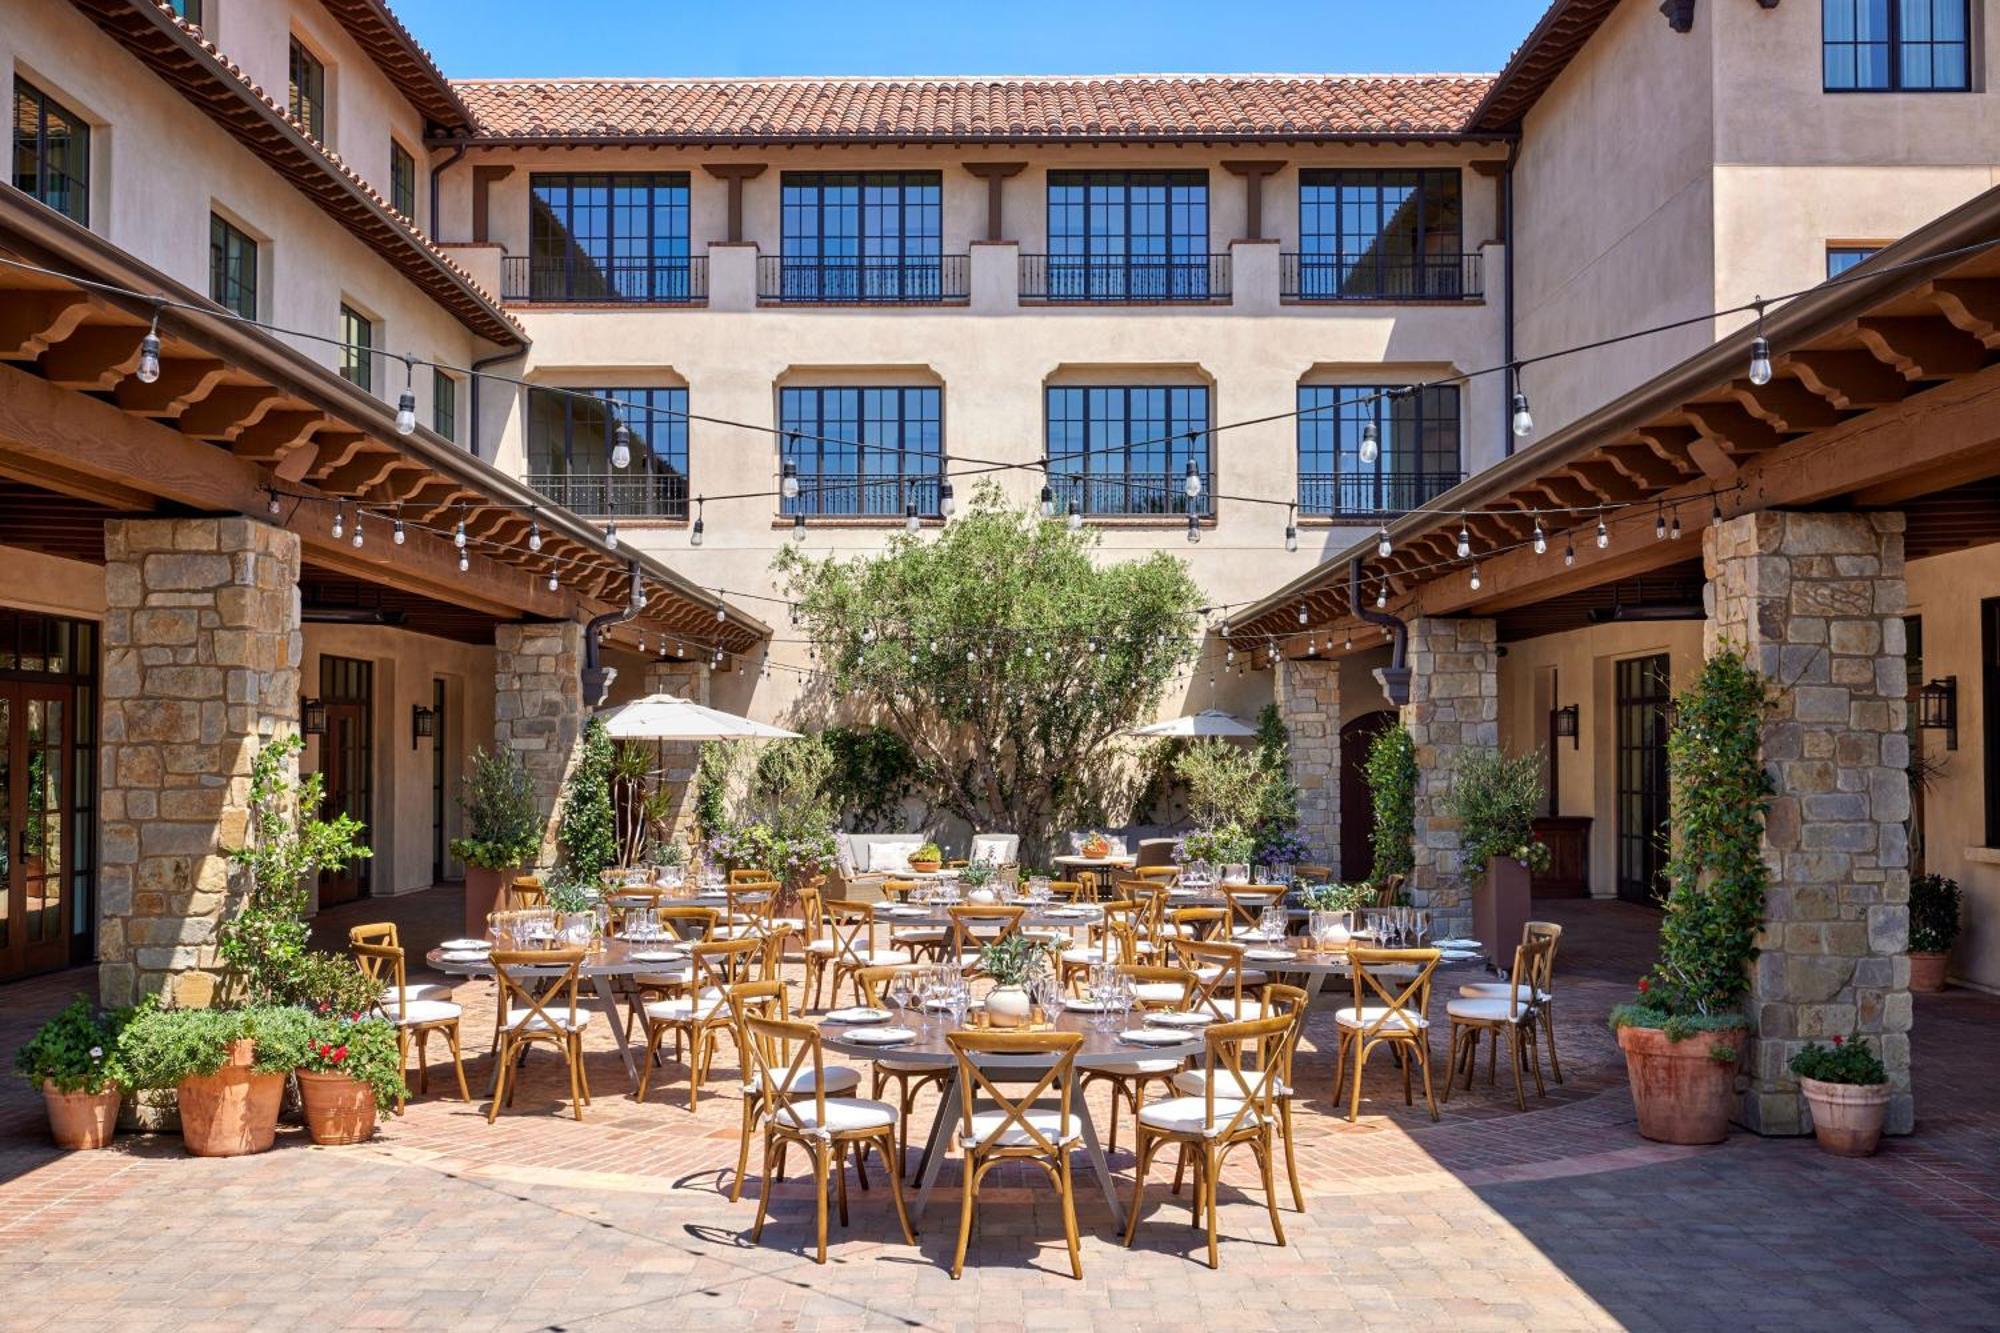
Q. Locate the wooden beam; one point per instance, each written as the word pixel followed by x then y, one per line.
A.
pixel 1921 348
pixel 182 381
pixel 1851 381
pixel 33 322
pixel 95 357
pixel 1787 405
pixel 276 435
pixel 229 410
pixel 1606 480
pixel 1973 304
pixel 1732 429
pixel 1644 466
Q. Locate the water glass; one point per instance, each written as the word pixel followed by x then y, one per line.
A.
pixel 1272 921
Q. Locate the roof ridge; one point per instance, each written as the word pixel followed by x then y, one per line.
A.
pixel 1209 77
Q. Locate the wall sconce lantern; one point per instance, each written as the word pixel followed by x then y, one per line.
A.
pixel 1937 709
pixel 312 717
pixel 423 722
pixel 1567 726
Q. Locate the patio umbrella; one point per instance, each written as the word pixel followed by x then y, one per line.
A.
pixel 668 717
pixel 1208 722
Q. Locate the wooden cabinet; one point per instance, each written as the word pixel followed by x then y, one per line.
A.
pixel 1568 839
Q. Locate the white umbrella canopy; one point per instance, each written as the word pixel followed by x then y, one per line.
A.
pixel 1208 722
pixel 668 717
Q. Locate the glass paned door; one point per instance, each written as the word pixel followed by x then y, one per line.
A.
pixel 34 816
pixel 347 760
pixel 1644 690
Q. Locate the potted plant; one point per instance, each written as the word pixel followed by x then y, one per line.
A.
pixel 350 1068
pixel 927 858
pixel 74 1059
pixel 1094 845
pixel 227 1067
pixel 1683 1033
pixel 1934 909
pixel 977 878
pixel 1012 961
pixel 503 831
pixel 1228 843
pixel 1330 912
pixel 1847 1090
pixel 1493 798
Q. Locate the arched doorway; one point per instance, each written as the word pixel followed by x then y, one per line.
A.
pixel 1357 812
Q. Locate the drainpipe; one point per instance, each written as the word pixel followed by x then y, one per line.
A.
pixel 1395 677
pixel 456 153
pixel 597 677
pixel 472 431
pixel 1507 292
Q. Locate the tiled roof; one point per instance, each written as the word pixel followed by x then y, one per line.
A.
pixel 1121 107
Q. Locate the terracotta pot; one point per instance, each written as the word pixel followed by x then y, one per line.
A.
pixel 232 1112
pixel 925 867
pixel 1007 1006
pixel 1927 972
pixel 150 1111
pixel 1682 1092
pixel 339 1109
pixel 81 1119
pixel 482 897
pixel 1847 1117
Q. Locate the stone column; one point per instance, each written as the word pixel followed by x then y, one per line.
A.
pixel 538 708
pixel 201 666
pixel 1816 603
pixel 678 759
pixel 1308 699
pixel 1454 707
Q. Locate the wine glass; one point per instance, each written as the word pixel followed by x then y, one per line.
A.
pixel 899 992
pixel 1271 922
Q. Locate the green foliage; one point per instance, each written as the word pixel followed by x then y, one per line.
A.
pixel 790 786
pixel 1336 897
pixel 587 829
pixel 1843 1062
pixel 570 889
pixel 930 851
pixel 363 1049
pixel 1228 843
pixel 1717 870
pixel 329 983
pixel 1934 911
pixel 160 1047
pixel 977 875
pixel 1226 784
pixel 1646 1013
pixel 77 1050
pixel 874 773
pixel 288 844
pixel 1493 798
pixel 714 777
pixel 975 646
pixel 1392 788
pixel 503 825
pixel 1013 960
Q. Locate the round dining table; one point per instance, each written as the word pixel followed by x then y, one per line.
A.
pixel 1101 1046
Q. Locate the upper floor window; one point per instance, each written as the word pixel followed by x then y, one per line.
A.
pixel 1415 447
pixel 860 236
pixel 402 180
pixel 232 266
pixel 357 352
pixel 570 441
pixel 863 451
pixel 1840 258
pixel 594 236
pixel 1374 235
pixel 1125 450
pixel 51 152
pixel 444 404
pixel 308 91
pixel 1897 45
pixel 1128 236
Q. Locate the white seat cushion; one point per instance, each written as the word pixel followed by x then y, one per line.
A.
pixel 1373 1013
pixel 424 990
pixel 1188 1115
pixel 1158 992
pixel 737 931
pixel 1485 1008
pixel 918 935
pixel 711 1003
pixel 1194 1083
pixel 1155 1064
pixel 821 946
pixel 528 1020
pixel 878 958
pixel 1081 957
pixel 1251 976
pixel 1049 1124
pixel 839 1080
pixel 1487 990
pixel 422 1011
pixel 843 1114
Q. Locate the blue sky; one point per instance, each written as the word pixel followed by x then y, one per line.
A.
pixel 680 37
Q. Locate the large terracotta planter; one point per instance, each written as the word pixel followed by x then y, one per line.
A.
pixel 1927 972
pixel 482 897
pixel 1500 907
pixel 232 1112
pixel 1847 1117
pixel 1683 1094
pixel 339 1109
pixel 81 1119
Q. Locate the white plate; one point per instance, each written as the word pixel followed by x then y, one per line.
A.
pixel 881 1036
pixel 1153 1037
pixel 1456 944
pixel 1456 956
pixel 466 946
pixel 464 956
pixel 658 956
pixel 1067 914
pixel 860 1015
pixel 1270 955
pixel 906 911
pixel 1085 1004
pixel 1174 1018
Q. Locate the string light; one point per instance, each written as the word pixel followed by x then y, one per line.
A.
pixel 458 534
pixel 553 585
pixel 1049 502
pixel 621 439
pixel 694 529
pixel 1760 350
pixel 340 519
pixel 1371 442
pixel 1075 520
pixel 1674 531
pixel 1475 576
pixel 464 562
pixel 1659 525
pixel 1292 528
pixel 611 534
pixel 358 512
pixel 534 534
pixel 274 507
pixel 406 402
pixel 721 611
pixel 1302 613
pixel 1541 538
pixel 1191 486
pixel 1524 420
pixel 1383 548
pixel 1569 552
pixel 1194 528
pixel 1603 535
pixel 148 369
pixel 400 536
pixel 1381 593
pixel 788 485
pixel 1464 540
pixel 799 527
pixel 910 520
pixel 947 503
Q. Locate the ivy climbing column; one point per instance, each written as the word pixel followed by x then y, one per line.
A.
pixel 689 680
pixel 1454 707
pixel 1308 699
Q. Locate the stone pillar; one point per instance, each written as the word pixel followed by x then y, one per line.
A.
pixel 201 666
pixel 1308 699
pixel 678 759
pixel 1816 602
pixel 1454 707
pixel 538 708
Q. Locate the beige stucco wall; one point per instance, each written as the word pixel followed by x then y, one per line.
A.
pixel 146 200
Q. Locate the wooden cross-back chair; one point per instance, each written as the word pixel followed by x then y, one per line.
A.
pixel 766 998
pixel 700 1015
pixel 412 1014
pixel 1069 889
pixel 526 891
pixel 692 924
pixel 1515 1015
pixel 1545 995
pixel 1111 941
pixel 974 925
pixel 1289 1001
pixel 1154 987
pixel 384 932
pixel 750 905
pixel 852 945
pixel 752 875
pixel 910 1076
pixel 1247 903
pixel 1220 977
pixel 1387 1010
pixel 1007 1126
pixel 537 1003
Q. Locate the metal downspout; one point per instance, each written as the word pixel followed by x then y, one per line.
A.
pixel 1395 677
pixel 597 677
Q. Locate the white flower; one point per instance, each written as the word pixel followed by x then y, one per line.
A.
pixel 97 1052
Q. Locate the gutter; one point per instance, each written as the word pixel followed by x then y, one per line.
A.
pixel 472 393
pixel 457 152
pixel 1506 295
pixel 970 140
pixel 1395 677
pixel 597 677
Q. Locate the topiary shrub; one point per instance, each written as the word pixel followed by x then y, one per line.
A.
pixel 587 830
pixel 1934 907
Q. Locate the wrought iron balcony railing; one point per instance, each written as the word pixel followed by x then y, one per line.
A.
pixel 863 281
pixel 1370 494
pixel 824 496
pixel 637 495
pixel 679 281
pixel 1127 494
pixel 1123 278
pixel 1374 277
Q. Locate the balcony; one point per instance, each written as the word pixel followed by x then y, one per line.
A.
pixel 1370 494
pixel 641 495
pixel 1379 278
pixel 1109 280
pixel 1127 495
pixel 863 281
pixel 874 497
pixel 678 281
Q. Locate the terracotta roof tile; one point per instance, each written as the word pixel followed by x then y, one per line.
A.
pixel 1120 107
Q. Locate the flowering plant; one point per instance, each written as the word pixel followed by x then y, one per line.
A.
pixel 1851 1062
pixel 360 1047
pixel 1225 844
pixel 1280 846
pixel 77 1050
pixel 758 846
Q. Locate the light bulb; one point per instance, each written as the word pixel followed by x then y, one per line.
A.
pixel 400 535
pixel 458 535
pixel 1674 531
pixel 694 532
pixel 1371 443
pixel 910 520
pixel 1194 528
pixel 1603 535
pixel 1475 576
pixel 1075 519
pixel 1569 552
pixel 1659 527
pixel 406 412
pixel 1191 487
pixel 553 585
pixel 1048 502
pixel 1291 537
pixel 788 486
pixel 274 506
pixel 1464 542
pixel 621 444
pixel 1347 642
pixel 1382 546
pixel 1302 613
pixel 464 562
pixel 339 519
pixel 611 534
pixel 534 536
pixel 721 614
pixel 947 505
pixel 798 527
pixel 1541 539
pixel 1524 420
pixel 149 354
pixel 1381 595
pixel 1760 360
pixel 357 529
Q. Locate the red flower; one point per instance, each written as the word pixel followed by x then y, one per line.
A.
pixel 1839 1040
pixel 1645 986
pixel 339 1054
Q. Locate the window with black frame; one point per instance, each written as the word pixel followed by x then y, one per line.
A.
pixel 1125 450
pixel 570 438
pixel 357 349
pixel 51 152
pixel 594 236
pixel 1415 445
pixel 307 90
pixel 444 404
pixel 402 180
pixel 1381 235
pixel 1128 236
pixel 862 452
pixel 232 266
pixel 861 236
pixel 1896 45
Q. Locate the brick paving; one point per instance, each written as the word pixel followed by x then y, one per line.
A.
pixel 1558 1218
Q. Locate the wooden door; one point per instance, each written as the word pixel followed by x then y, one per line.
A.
pixel 35 723
pixel 347 761
pixel 1644 691
pixel 1357 809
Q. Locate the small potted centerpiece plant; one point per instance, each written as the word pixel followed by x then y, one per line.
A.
pixel 977 879
pixel 503 831
pixel 227 1067
pixel 1493 798
pixel 927 858
pixel 1330 912
pixel 1012 961
pixel 74 1059
pixel 1934 910
pixel 1094 845
pixel 1847 1090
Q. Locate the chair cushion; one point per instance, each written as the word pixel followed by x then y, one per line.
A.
pixel 1488 990
pixel 422 1011
pixel 711 1003
pixel 909 1067
pixel 519 1020
pixel 892 856
pixel 1251 976
pixel 423 990
pixel 1194 1083
pixel 918 934
pixel 1484 1008
pixel 1156 1064
pixel 1372 1013
pixel 1089 955
pixel 1049 1124
pixel 879 958
pixel 843 1114
pixel 839 1079
pixel 821 946
pixel 679 978
pixel 1188 1115
pixel 1158 992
